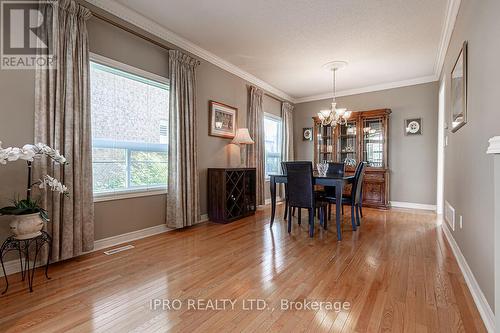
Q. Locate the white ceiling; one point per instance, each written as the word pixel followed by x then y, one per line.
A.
pixel 285 42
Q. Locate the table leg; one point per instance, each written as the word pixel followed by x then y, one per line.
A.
pixel 338 204
pixel 27 261
pixel 23 272
pixel 272 184
pixel 4 274
pixel 49 245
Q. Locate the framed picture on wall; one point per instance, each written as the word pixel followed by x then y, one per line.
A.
pixel 413 126
pixel 307 134
pixel 459 90
pixel 222 121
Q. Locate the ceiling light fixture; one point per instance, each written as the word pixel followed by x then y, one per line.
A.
pixel 334 115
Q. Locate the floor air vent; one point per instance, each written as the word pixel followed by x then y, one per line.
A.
pixel 118 249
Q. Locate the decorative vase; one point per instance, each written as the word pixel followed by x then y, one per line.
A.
pixel 26 226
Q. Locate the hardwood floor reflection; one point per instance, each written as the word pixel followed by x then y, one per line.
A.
pixel 396 272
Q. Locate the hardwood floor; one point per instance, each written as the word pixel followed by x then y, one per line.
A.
pixel 397 273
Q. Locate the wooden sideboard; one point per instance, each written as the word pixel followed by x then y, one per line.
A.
pixel 365 137
pixel 231 194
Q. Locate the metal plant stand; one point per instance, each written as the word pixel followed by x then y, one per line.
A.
pixel 23 247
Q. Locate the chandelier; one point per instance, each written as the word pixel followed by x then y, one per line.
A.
pixel 334 115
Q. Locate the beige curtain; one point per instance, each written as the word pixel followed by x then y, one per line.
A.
pixel 255 152
pixel 62 120
pixel 287 142
pixel 183 192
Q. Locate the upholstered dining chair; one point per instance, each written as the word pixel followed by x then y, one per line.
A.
pixel 355 197
pixel 300 193
pixel 334 168
pixel 283 170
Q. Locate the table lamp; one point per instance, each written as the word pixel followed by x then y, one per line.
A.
pixel 242 138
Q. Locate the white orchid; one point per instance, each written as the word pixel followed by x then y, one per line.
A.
pixel 41 148
pixel 29 152
pixel 13 154
pixel 53 184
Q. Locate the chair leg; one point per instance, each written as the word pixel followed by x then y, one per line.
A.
pixel 342 209
pixel 353 218
pixel 300 215
pixel 293 211
pixel 361 202
pixel 329 211
pixel 323 216
pixel 311 222
pixel 286 210
pixel 289 219
pixel 320 214
pixel 357 215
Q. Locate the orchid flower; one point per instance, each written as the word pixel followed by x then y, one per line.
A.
pixel 29 152
pixel 52 184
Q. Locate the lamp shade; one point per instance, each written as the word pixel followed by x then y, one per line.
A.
pixel 242 137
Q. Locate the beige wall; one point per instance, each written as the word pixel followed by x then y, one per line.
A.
pixel 468 170
pixel 121 216
pixel 412 159
pixel 17 96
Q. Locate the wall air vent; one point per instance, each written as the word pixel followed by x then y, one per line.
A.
pixel 449 215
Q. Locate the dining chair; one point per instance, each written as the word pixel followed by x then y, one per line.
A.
pixel 301 193
pixel 334 168
pixel 354 199
pixel 283 170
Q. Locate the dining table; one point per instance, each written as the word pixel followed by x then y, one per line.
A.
pixel 334 180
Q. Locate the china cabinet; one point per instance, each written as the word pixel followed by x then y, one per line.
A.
pixel 363 138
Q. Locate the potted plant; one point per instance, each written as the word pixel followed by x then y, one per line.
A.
pixel 28 214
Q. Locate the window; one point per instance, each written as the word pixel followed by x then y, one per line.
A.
pixel 272 142
pixel 129 129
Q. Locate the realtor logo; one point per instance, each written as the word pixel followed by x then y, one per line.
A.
pixel 26 34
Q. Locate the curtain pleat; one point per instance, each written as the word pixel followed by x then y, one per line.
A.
pixel 287 149
pixel 255 152
pixel 62 121
pixel 183 191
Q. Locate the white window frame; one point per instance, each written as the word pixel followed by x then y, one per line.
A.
pixel 280 139
pixel 129 193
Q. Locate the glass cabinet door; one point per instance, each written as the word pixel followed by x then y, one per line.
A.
pixel 347 144
pixel 324 147
pixel 373 142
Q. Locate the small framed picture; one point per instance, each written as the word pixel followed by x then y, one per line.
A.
pixel 222 121
pixel 307 134
pixel 413 126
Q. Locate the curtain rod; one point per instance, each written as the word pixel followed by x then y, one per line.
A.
pixel 127 29
pixel 274 97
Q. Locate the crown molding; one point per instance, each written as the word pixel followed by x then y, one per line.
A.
pixel 452 9
pixel 152 27
pixel 378 87
pixel 148 25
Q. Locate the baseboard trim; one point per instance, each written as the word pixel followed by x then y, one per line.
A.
pixel 129 237
pixel 13 266
pixel 411 205
pixel 477 294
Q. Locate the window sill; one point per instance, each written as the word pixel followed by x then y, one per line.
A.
pixel 128 195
